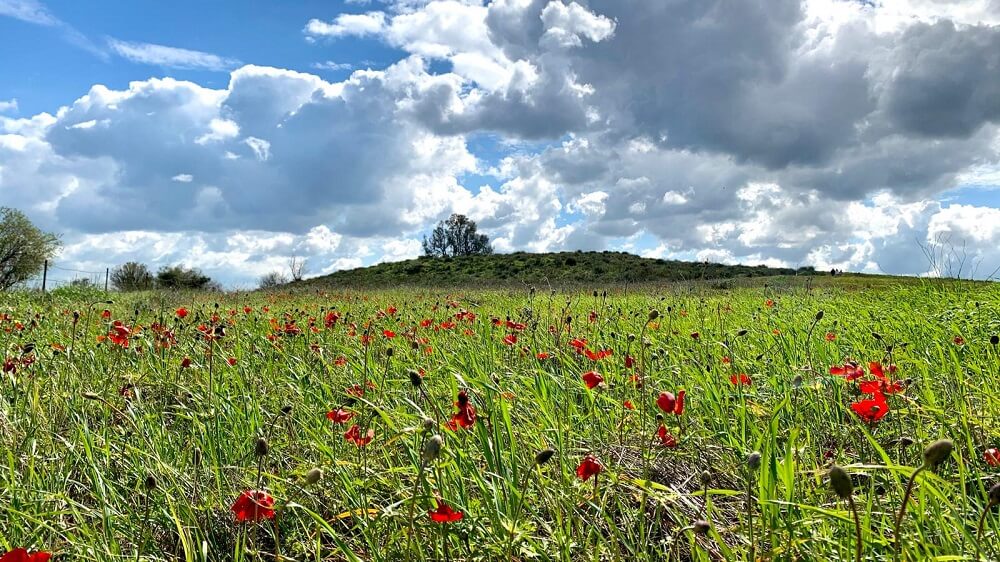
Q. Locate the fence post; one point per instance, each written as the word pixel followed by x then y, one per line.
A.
pixel 45 274
pixel 107 274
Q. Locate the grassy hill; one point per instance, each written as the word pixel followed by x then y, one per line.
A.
pixel 562 268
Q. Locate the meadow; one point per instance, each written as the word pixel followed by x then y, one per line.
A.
pixel 602 424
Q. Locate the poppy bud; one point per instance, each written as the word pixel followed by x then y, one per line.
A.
pixel 705 477
pixel 905 442
pixel 260 447
pixel 937 452
pixel 569 319
pixel 595 293
pixel 313 476
pixel 196 457
pixel 753 460
pixel 669 309
pixel 841 482
pixel 91 396
pixel 877 336
pixel 432 448
pixel 414 345
pixel 994 339
pixel 741 333
pixel 150 483
pixel 544 456
pixel 819 316
pixel 415 379
pixel 631 338
pixel 797 381
pixel 286 409
pixel 388 352
pixel 995 494
pixel 654 314
pixel 701 527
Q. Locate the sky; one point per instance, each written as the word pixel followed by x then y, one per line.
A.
pixel 861 135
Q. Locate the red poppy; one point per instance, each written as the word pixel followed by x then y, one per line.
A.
pixel 830 336
pixel 726 360
pixel 388 333
pixel 769 303
pixel 185 363
pixel 592 317
pixel 466 414
pixel 444 513
pixel 353 435
pixel 592 379
pixel 589 466
pixel 629 362
pixel 629 405
pixel 666 439
pixel 881 387
pixel 679 404
pixel 542 355
pixel 510 339
pixel 597 355
pixel 515 326
pixel 992 456
pixel 578 343
pixel 253 505
pixel 666 401
pixel 21 555
pixel 339 416
pixel 181 312
pixel 871 409
pixel 231 361
pixel 850 371
pixel 739 380
pixel 106 314
pixel 695 335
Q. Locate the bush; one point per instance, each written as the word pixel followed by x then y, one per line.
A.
pixel 132 276
pixel 180 277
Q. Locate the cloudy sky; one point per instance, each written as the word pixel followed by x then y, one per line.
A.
pixel 230 136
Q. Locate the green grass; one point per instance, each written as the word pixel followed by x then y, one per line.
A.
pixel 74 466
pixel 558 269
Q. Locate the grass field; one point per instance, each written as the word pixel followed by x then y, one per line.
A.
pixel 130 430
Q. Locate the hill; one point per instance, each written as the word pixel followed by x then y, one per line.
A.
pixel 561 268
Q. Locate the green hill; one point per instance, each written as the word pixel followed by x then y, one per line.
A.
pixel 562 268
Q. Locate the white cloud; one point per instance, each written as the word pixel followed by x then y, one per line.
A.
pixel 171 57
pixel 330 65
pixel 369 23
pixel 10 105
pixel 261 148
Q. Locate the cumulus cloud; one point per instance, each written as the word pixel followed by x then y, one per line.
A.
pixel 9 105
pixel 795 132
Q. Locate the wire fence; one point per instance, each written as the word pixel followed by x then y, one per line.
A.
pixel 54 276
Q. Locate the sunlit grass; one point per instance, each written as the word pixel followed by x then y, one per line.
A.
pixel 87 423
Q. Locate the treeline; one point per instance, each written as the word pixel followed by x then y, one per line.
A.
pixel 135 276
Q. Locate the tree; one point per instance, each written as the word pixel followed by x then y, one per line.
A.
pixel 297 268
pixel 457 236
pixel 180 277
pixel 272 280
pixel 23 248
pixel 132 276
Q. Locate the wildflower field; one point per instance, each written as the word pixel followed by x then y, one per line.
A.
pixel 770 422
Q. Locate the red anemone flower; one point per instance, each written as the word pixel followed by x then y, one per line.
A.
pixel 871 409
pixel 741 379
pixel 181 312
pixel 21 555
pixel 666 401
pixel 444 513
pixel 253 505
pixel 666 439
pixel 466 414
pixel 589 466
pixel 339 416
pixel 992 456
pixel 592 379
pixel 850 371
pixel 353 435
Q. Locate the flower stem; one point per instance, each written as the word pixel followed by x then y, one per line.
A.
pixel 902 512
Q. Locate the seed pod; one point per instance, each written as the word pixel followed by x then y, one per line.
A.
pixel 313 476
pixel 995 339
pixel 877 336
pixel 819 316
pixel 432 448
pixel 741 333
pixel 701 527
pixel 415 378
pixel 995 494
pixel 654 314
pixel 544 456
pixel 286 409
pixel 841 482
pixel 705 477
pixel 428 424
pixel 388 352
pixel 753 460
pixel 150 483
pixel 260 447
pixel 937 452
pixel 196 457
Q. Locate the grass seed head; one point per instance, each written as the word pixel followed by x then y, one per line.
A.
pixel 841 482
pixel 415 378
pixel 432 448
pixel 937 452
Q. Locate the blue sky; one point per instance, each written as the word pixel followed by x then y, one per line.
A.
pixel 231 136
